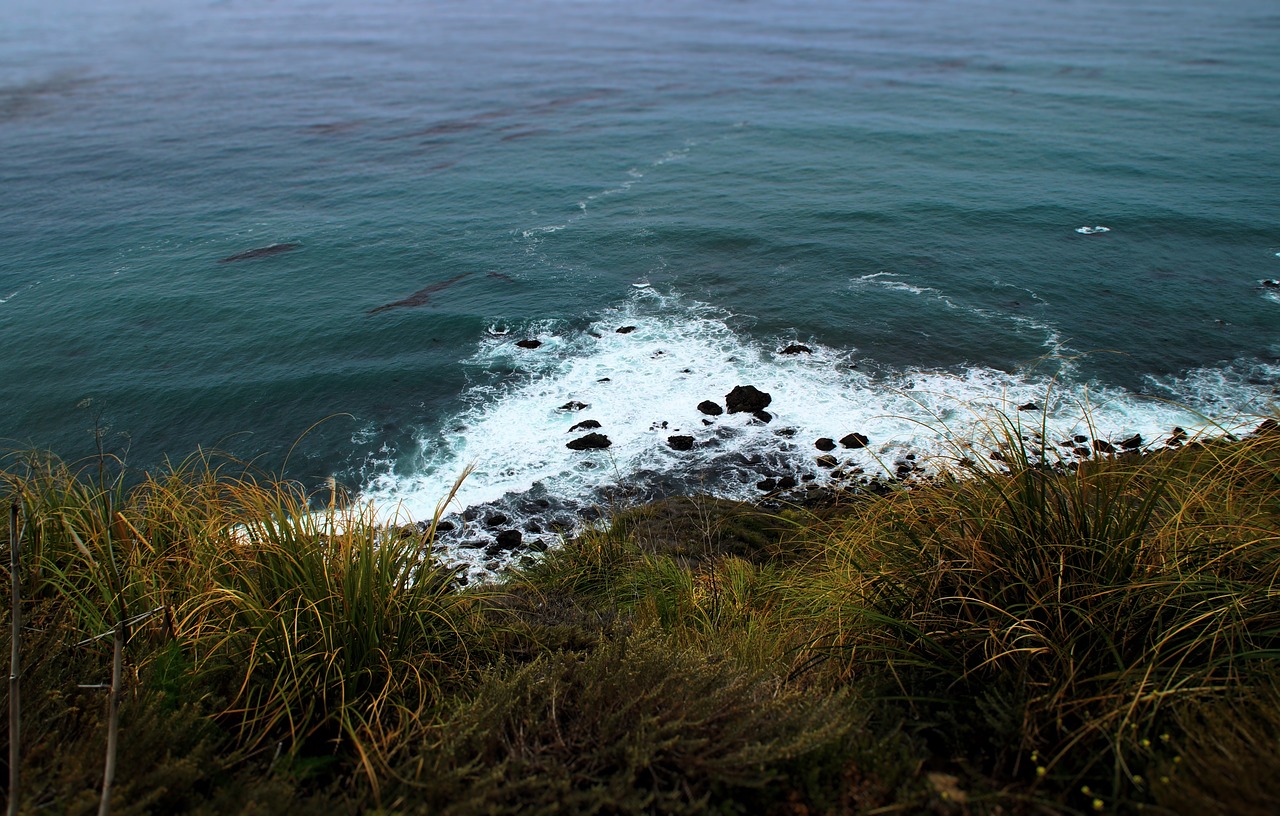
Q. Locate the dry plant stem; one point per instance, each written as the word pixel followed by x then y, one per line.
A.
pixel 15 666
pixel 113 722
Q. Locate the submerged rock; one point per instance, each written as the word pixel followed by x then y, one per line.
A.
pixel 746 398
pixel 592 441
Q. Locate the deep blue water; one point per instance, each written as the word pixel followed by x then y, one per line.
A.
pixel 895 184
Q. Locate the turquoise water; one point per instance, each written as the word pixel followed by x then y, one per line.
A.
pixel 896 185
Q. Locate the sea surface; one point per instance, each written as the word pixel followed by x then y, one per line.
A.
pixel 895 185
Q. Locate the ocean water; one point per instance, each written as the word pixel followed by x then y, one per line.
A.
pixel 894 184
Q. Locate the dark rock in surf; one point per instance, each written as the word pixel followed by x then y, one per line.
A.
pixel 680 443
pixel 710 408
pixel 625 329
pixel 826 460
pixel 495 520
pixel 746 398
pixel 787 482
pixel 763 416
pixel 528 344
pixel 1267 426
pixel 592 441
pixel 1132 443
pixel 1103 446
pixel 1029 406
pixel 1179 436
pixel 573 405
pixel 854 441
pixel 585 425
pixel 797 348
pixel 767 485
pixel 826 443
pixel 1080 439
pixel 785 433
pixel 509 540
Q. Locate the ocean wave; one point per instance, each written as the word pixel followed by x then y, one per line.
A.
pixel 641 371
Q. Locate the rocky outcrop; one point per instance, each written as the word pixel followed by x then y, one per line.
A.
pixel 1028 406
pixel 585 425
pixel 528 344
pixel 680 442
pixel 826 460
pixel 763 416
pixel 854 441
pixel 710 408
pixel 625 329
pixel 797 348
pixel 1132 443
pixel 825 443
pixel 1103 446
pixel 746 398
pixel 592 441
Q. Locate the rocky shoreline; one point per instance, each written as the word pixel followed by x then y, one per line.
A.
pixel 485 539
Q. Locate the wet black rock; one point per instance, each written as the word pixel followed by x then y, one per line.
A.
pixel 746 398
pixel 1267 426
pixel 710 408
pixel 1080 439
pixel 574 405
pixel 826 460
pixel 1132 443
pixel 1103 446
pixel 509 540
pixel 1178 437
pixel 680 443
pixel 767 485
pixel 797 348
pixel 1271 284
pixel 604 379
pixel 625 329
pixel 785 433
pixel 495 520
pixel 763 416
pixel 592 441
pixel 787 482
pixel 826 443
pixel 445 527
pixel 854 441
pixel 1082 452
pixel 528 344
pixel 585 425
pixel 1028 406
pixel 537 545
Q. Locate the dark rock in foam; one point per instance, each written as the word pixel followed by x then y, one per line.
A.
pixel 797 348
pixel 825 443
pixel 585 425
pixel 746 398
pixel 710 408
pixel 854 440
pixel 680 443
pixel 528 344
pixel 592 441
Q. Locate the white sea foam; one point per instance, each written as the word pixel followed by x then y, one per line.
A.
pixel 645 385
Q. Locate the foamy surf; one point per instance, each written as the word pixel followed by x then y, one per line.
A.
pixel 638 374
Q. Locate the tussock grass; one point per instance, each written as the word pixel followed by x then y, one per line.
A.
pixel 1022 635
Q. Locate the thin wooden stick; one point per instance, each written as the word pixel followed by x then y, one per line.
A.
pixel 113 722
pixel 15 666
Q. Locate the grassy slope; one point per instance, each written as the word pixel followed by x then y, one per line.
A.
pixel 1035 641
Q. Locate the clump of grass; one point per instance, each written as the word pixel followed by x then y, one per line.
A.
pixel 1047 618
pixel 637 725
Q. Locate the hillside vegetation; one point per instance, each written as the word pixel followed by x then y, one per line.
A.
pixel 1027 638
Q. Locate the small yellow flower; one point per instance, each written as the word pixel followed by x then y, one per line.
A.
pixel 1177 760
pixel 1164 779
pixel 1137 779
pixel 1097 804
pixel 1041 770
pixel 1164 737
pixel 1146 743
pixel 1085 790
